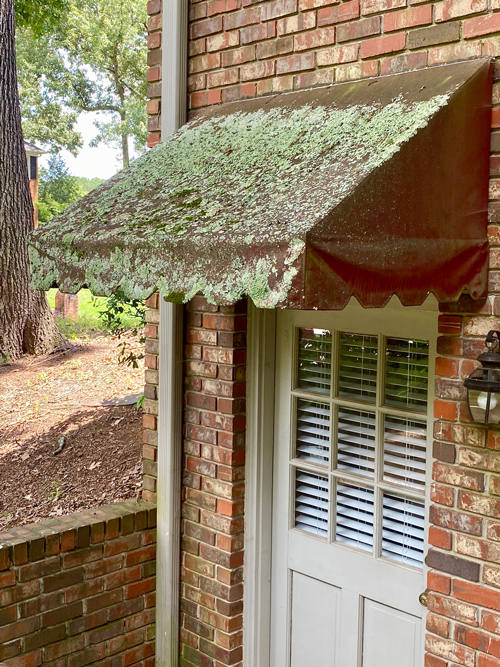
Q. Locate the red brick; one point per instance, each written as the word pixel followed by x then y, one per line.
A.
pixel 374 6
pixel 295 63
pixel 408 18
pixel 380 45
pixel 451 9
pixel 337 54
pixel 476 594
pixel 487 661
pixel 347 11
pixel 225 40
pixel 445 410
pixel 481 25
pixel 449 650
pixel 247 16
pixel 450 324
pixel 437 625
pixel 359 29
pixel 433 661
pixel 447 367
pixel 451 52
pixel 439 582
pixel 277 8
pixel 258 32
pixel 314 39
pixel 440 538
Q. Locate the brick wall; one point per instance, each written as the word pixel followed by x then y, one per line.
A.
pixel 150 419
pixel 245 48
pixel 34 197
pixel 213 485
pixel 154 71
pixel 79 590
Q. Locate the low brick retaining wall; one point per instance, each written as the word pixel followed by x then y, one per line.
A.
pixel 80 589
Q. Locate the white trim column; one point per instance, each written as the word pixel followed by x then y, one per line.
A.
pixel 173 115
pixel 259 484
pixel 169 484
pixel 173 65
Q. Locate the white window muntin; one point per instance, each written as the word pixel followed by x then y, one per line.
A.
pixel 336 476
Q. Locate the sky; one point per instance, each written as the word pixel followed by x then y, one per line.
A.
pixel 102 161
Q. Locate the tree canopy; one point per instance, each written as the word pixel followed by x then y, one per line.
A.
pixel 94 59
pixel 58 189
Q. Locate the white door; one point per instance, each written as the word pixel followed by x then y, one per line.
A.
pixel 349 506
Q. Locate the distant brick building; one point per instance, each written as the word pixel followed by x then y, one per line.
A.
pixel 32 154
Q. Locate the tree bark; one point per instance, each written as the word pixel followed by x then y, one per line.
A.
pixel 125 153
pixel 26 322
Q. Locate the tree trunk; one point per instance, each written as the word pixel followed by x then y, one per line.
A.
pixel 26 322
pixel 125 154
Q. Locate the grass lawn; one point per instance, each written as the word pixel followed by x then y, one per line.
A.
pixel 88 321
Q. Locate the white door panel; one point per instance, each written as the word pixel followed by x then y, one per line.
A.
pixel 314 622
pixel 374 579
pixel 390 637
pixel 350 487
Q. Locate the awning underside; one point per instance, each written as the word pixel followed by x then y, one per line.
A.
pixel 366 189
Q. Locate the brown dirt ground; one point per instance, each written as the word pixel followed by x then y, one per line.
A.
pixel 43 399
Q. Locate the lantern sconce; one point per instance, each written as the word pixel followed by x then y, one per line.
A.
pixel 483 384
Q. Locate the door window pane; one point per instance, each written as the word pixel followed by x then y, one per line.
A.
pixel 311 503
pixel 405 443
pixel 406 373
pixel 313 432
pixel 315 360
pixel 356 441
pixel 354 516
pixel 403 530
pixel 358 367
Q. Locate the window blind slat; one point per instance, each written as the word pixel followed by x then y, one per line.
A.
pixel 406 375
pixel 358 366
pixel 311 503
pixel 354 516
pixel 403 522
pixel 405 451
pixel 356 441
pixel 313 432
pixel 315 360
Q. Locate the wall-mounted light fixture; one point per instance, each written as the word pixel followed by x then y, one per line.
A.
pixel 483 384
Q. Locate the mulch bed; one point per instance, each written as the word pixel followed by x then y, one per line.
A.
pixel 53 404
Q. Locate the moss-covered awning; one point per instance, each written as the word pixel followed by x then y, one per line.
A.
pixel 364 189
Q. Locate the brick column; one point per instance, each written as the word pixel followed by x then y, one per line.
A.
pixel 213 485
pixel 463 622
pixel 150 419
pixel 154 71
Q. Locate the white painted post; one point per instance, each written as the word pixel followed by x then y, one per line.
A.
pixel 173 115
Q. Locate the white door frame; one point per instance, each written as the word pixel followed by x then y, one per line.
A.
pixel 261 381
pixel 261 352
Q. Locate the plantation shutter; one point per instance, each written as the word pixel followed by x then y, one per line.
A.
pixel 311 503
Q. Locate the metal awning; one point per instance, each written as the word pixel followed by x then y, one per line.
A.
pixel 364 189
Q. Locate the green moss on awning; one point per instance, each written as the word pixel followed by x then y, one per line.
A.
pixel 223 207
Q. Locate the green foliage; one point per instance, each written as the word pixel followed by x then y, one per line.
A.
pixel 116 308
pixel 87 184
pixel 47 115
pixel 58 189
pixel 41 15
pixel 88 322
pixel 94 59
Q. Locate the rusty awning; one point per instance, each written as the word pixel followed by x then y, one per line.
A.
pixel 364 189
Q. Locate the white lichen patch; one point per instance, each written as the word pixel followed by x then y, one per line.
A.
pixel 224 205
